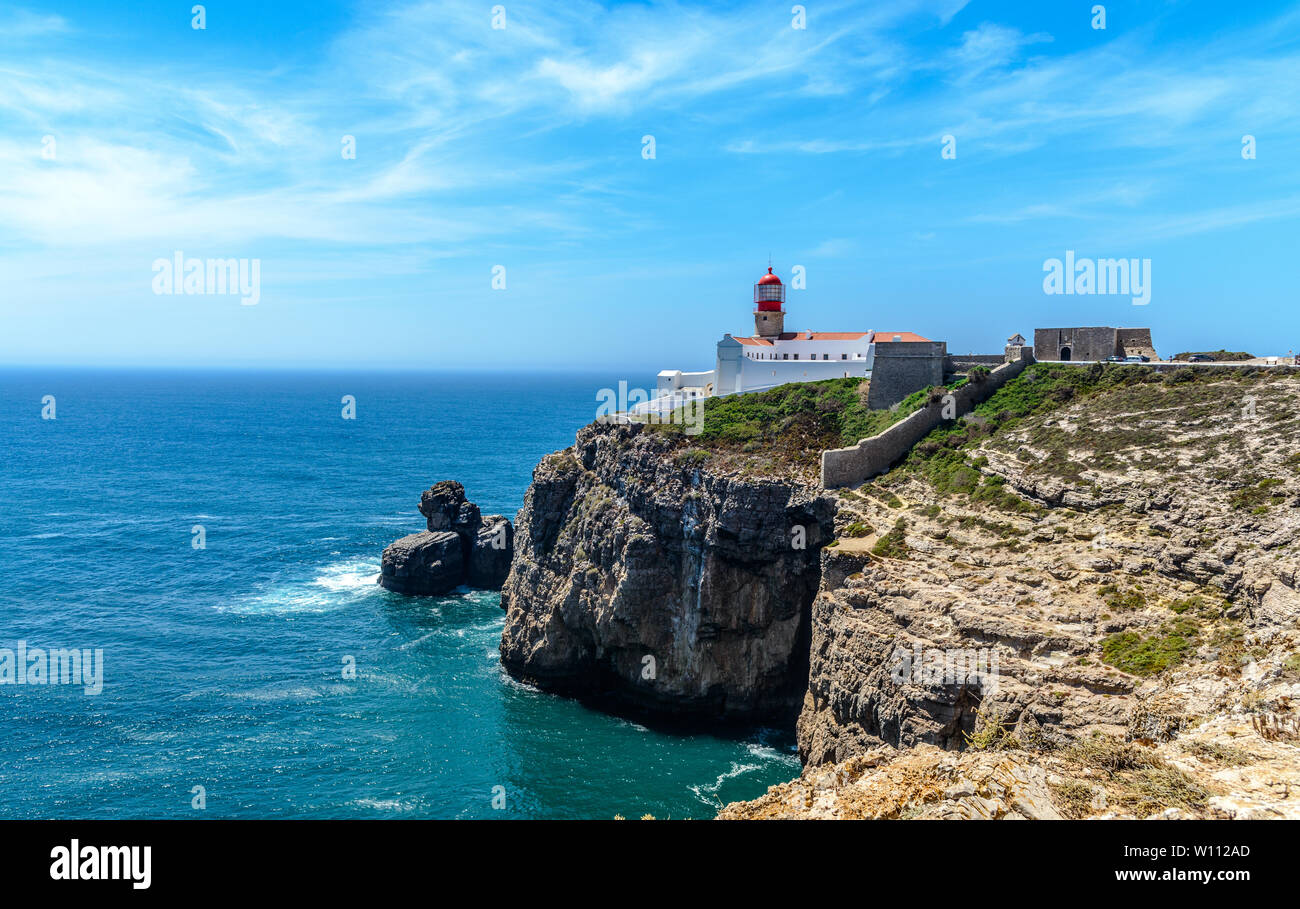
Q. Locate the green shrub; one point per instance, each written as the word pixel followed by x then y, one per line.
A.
pixel 892 545
pixel 1258 496
pixel 1135 654
pixel 692 457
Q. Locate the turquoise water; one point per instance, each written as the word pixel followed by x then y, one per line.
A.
pixel 224 667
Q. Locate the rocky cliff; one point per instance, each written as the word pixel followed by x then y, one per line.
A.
pixel 1120 550
pixel 642 576
pixel 460 547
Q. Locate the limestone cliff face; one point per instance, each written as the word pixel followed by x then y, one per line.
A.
pixel 1131 564
pixel 640 576
pixel 1173 529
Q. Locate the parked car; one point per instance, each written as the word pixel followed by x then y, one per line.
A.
pixel 1200 358
pixel 1114 359
pixel 1137 358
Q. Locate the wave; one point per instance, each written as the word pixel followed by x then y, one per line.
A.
pixel 708 792
pixel 398 805
pixel 336 586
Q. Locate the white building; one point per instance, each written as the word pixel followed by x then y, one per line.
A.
pixel 773 356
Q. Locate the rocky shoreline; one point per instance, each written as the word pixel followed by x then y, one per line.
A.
pixel 1135 585
pixel 1121 546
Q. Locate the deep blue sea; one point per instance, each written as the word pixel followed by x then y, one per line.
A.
pixel 224 667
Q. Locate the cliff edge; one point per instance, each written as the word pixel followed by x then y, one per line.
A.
pixel 1115 553
pixel 642 577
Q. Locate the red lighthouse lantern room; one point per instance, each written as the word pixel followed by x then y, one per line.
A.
pixel 769 293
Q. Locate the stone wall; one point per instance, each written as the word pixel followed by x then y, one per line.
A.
pixel 768 324
pixel 1136 341
pixel 962 363
pixel 1087 344
pixel 850 466
pixel 903 367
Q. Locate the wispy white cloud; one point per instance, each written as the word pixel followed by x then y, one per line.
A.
pixel 18 24
pixel 990 46
pixel 472 140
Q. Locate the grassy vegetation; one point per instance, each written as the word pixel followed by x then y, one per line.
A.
pixel 951 474
pixel 862 423
pixel 692 457
pixel 943 457
pixel 893 545
pixel 884 496
pixel 1163 786
pixel 1225 755
pixel 1109 754
pixel 1134 653
pixel 1220 355
pixel 1073 798
pixel 992 732
pixel 1122 602
pixel 791 424
pixel 1136 779
pixel 1257 496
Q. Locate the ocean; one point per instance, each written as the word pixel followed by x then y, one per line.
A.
pixel 227 689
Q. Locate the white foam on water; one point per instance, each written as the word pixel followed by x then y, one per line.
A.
pixel 708 793
pixel 335 586
pixel 417 642
pixel 357 574
pixel 774 755
pixel 399 805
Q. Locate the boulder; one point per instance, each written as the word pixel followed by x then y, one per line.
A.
pixel 424 564
pixel 443 506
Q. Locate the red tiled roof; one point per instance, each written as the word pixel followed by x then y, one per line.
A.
pixel 901 335
pixel 803 336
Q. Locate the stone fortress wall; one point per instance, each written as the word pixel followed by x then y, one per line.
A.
pixel 902 367
pixel 872 456
pixel 1096 343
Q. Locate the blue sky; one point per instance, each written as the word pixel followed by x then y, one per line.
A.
pixel 522 147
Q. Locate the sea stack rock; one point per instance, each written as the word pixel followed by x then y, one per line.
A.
pixel 460 547
pixel 424 564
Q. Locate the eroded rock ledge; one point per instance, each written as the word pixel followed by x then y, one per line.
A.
pixel 640 576
pixel 1128 557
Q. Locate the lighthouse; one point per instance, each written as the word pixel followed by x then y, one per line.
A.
pixel 769 306
pixel 772 356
